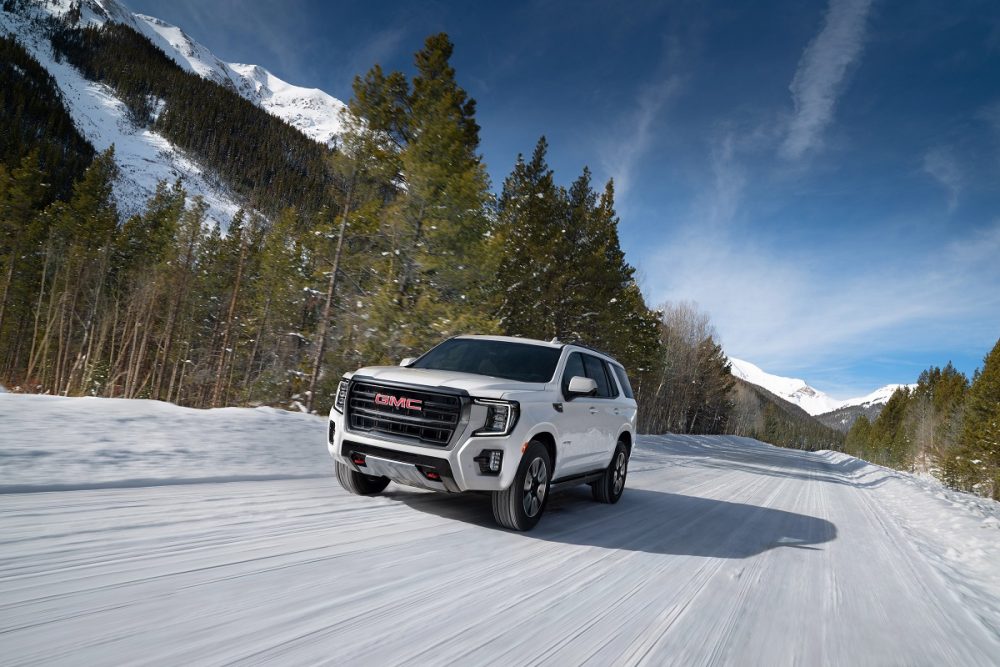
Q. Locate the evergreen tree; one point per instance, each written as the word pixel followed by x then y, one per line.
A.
pixel 529 229
pixel 890 444
pixel 143 254
pixel 933 416
pixel 712 403
pixel 981 428
pixel 22 193
pixel 562 272
pixel 80 237
pixel 275 314
pixel 436 227
pixel 858 441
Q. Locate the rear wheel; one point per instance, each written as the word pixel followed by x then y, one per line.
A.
pixel 520 506
pixel 358 483
pixel 609 488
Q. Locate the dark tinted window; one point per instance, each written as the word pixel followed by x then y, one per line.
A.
pixel 595 371
pixel 623 379
pixel 574 368
pixel 512 361
pixel 611 379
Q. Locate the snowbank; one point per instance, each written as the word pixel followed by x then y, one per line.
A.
pixel 57 443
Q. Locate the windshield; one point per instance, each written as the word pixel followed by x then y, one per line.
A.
pixel 512 361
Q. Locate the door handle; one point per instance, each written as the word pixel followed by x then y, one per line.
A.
pixel 594 411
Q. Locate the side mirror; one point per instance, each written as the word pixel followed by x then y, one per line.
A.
pixel 407 361
pixel 581 386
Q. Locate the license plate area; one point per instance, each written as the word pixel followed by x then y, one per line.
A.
pixel 402 473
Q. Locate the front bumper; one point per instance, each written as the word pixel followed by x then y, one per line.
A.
pixel 409 463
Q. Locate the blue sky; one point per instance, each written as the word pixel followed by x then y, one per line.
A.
pixel 823 178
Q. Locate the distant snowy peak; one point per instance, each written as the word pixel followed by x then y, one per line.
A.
pixel 793 390
pixel 880 396
pixel 310 110
pixel 808 398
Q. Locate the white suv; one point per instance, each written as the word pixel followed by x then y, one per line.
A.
pixel 511 416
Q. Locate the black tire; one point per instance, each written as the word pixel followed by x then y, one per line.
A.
pixel 520 506
pixel 358 483
pixel 610 487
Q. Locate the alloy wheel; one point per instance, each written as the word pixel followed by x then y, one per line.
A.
pixel 535 482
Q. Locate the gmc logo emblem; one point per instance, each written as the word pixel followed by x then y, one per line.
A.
pixel 398 402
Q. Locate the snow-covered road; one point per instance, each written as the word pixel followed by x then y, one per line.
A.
pixel 722 551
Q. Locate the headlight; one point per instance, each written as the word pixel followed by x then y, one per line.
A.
pixel 501 416
pixel 338 404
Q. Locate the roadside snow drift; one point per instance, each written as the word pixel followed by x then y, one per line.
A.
pixel 722 551
pixel 56 443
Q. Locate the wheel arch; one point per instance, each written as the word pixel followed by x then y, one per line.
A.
pixel 549 441
pixel 626 437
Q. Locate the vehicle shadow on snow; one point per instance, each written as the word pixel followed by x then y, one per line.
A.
pixel 648 521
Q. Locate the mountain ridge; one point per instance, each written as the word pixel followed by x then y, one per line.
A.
pixel 815 402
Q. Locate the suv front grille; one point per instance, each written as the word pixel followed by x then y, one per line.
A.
pixel 428 416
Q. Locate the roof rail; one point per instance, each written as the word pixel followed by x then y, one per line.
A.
pixel 576 343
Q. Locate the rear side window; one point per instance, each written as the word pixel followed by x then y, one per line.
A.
pixel 623 380
pixel 596 371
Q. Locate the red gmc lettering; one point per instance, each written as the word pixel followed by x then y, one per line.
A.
pixel 398 402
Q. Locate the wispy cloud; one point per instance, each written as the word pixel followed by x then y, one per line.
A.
pixel 621 155
pixel 784 310
pixel 820 75
pixel 942 165
pixel 991 114
pixel 378 48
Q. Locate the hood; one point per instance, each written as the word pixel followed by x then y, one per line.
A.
pixel 476 385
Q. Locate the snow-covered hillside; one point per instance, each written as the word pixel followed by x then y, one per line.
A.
pixel 723 550
pixel 144 156
pixel 314 112
pixel 810 399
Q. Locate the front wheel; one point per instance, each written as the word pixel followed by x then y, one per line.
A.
pixel 611 485
pixel 520 506
pixel 358 483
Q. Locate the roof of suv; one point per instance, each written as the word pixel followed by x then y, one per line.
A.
pixel 545 343
pixel 516 339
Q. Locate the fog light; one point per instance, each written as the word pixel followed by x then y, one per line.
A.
pixel 490 461
pixel 333 431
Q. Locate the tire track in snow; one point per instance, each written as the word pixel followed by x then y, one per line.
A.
pixel 722 551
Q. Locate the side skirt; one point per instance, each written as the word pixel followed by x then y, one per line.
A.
pixel 576 480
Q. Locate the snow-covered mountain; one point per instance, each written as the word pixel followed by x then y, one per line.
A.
pixel 314 112
pixel 810 399
pixel 144 156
